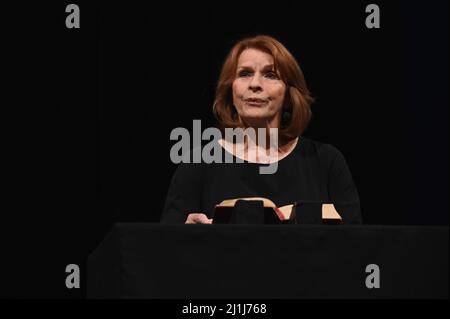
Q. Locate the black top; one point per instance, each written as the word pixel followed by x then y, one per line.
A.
pixel 312 172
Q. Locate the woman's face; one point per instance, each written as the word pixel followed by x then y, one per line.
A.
pixel 258 92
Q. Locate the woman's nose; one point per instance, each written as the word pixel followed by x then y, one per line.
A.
pixel 255 83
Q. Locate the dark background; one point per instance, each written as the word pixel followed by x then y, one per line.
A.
pixel 94 108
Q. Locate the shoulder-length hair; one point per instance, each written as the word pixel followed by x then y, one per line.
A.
pixel 297 100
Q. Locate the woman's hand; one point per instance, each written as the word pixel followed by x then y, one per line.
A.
pixel 197 218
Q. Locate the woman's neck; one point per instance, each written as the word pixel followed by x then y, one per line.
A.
pixel 265 132
pixel 252 151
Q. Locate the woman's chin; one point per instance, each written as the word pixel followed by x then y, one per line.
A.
pixel 255 115
pixel 259 120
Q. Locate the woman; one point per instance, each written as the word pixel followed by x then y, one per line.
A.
pixel 262 86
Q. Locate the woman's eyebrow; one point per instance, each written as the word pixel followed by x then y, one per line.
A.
pixel 245 67
pixel 268 67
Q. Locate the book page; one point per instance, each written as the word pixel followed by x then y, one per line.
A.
pixel 230 202
pixel 329 212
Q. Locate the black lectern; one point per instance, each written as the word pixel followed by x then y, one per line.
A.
pixel 269 261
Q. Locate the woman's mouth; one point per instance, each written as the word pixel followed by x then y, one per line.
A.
pixel 255 101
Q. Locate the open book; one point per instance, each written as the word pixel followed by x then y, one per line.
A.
pixel 273 214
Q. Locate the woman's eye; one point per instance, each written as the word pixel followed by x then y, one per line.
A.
pixel 244 73
pixel 271 75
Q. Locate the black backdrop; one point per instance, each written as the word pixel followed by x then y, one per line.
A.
pixel 95 107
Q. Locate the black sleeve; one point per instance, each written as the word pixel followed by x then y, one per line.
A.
pixel 184 194
pixel 342 190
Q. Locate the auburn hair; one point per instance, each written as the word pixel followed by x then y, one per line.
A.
pixel 297 100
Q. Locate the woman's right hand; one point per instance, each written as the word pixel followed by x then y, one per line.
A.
pixel 197 218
